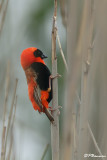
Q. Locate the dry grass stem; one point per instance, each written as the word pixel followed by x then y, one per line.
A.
pixel 3 144
pixel 45 151
pixel 4 112
pixel 10 147
pixel 11 112
pixel 11 130
pixel 3 16
pixel 7 91
pixel 14 113
pixel 55 125
pixel 62 53
pixel 94 140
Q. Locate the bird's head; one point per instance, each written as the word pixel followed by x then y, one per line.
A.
pixel 31 55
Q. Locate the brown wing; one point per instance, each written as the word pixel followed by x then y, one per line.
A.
pixel 37 97
pixel 38 101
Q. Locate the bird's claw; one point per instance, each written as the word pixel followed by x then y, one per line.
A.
pixel 54 109
pixel 56 76
pixel 51 77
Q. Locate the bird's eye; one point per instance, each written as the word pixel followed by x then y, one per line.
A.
pixel 38 53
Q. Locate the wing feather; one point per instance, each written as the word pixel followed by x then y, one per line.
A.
pixel 38 101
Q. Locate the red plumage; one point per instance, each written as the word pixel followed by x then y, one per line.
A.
pixel 37 75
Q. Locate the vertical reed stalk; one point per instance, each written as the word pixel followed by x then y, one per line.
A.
pixel 55 125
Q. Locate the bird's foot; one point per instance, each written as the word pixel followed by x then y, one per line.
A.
pixel 51 77
pixel 54 109
pixel 56 76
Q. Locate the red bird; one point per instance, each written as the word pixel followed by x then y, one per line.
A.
pixel 38 79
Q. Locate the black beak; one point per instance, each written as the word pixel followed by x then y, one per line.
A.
pixel 43 56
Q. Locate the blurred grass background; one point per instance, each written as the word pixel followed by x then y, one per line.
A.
pixel 86 93
pixel 28 23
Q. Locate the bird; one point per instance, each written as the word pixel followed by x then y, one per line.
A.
pixel 38 78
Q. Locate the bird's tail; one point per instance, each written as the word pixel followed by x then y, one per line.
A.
pixel 42 108
pixel 48 114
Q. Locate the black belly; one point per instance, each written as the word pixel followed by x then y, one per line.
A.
pixel 43 74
